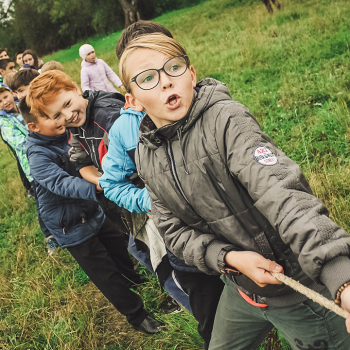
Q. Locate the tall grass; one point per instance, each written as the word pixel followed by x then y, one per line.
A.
pixel 292 71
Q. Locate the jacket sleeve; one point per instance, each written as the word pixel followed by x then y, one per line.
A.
pixel 111 75
pixel 185 242
pixel 49 175
pixel 17 141
pixel 85 80
pixel 117 169
pixel 78 154
pixel 282 194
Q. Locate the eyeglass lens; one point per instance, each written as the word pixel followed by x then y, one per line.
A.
pixel 149 79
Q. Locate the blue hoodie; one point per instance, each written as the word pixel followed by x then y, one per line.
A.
pixel 120 165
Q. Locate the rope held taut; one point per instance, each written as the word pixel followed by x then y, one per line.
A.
pixel 311 294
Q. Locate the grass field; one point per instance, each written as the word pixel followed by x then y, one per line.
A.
pixel 292 70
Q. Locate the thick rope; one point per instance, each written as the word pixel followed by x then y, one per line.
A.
pixel 311 294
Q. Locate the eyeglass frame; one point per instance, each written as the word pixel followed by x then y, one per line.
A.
pixel 159 70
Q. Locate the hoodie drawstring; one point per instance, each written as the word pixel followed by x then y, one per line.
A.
pixel 182 152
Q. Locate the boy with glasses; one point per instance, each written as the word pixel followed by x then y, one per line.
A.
pixel 228 201
pixel 121 185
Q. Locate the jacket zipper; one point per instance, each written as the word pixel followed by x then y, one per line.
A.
pixel 173 170
pixel 91 149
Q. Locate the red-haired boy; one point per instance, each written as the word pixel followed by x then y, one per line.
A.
pixel 67 202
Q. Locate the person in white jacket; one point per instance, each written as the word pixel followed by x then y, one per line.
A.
pixel 95 73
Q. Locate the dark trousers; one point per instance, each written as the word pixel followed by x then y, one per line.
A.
pixel 106 261
pixel 204 292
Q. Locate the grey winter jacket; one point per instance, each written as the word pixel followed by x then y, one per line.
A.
pixel 217 182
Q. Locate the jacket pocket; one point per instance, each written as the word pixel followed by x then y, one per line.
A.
pixel 71 215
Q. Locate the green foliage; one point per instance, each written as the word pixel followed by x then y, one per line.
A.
pixel 61 23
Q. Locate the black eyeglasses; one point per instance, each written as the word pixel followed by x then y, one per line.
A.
pixel 149 78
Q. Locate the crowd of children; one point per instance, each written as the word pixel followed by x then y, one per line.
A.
pixel 114 174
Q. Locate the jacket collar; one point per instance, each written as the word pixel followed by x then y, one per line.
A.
pixel 53 140
pixel 207 92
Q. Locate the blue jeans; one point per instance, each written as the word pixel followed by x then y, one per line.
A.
pixel 171 285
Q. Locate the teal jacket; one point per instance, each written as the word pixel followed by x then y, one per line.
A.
pixel 14 132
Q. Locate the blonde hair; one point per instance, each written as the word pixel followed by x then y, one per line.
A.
pixel 157 42
pixel 51 65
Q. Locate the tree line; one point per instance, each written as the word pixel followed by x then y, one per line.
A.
pixel 50 25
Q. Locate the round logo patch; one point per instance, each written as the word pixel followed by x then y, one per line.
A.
pixel 264 156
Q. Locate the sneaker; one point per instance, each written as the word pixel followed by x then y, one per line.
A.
pixel 171 307
pixel 51 245
pixel 150 326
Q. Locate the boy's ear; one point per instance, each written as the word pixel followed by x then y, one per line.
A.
pixel 133 102
pixel 193 76
pixel 32 127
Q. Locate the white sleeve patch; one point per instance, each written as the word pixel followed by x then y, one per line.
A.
pixel 264 156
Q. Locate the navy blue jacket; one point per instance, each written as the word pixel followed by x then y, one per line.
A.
pixel 67 203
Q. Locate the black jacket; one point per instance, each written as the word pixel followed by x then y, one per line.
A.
pixel 89 141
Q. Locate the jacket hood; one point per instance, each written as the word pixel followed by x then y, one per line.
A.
pixel 85 64
pixel 132 112
pixel 39 139
pixel 207 92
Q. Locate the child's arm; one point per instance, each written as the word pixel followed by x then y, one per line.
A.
pixel 90 173
pixel 56 180
pixel 85 80
pixel 203 250
pixel 17 141
pixel 111 75
pixel 118 168
pixel 282 194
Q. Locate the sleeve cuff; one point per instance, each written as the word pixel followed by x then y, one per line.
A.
pixel 213 253
pixel 335 273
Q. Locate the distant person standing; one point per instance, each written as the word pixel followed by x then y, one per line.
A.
pixel 96 73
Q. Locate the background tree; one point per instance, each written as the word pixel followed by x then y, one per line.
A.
pixel 131 11
pixel 50 25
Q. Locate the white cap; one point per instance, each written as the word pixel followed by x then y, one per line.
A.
pixel 85 50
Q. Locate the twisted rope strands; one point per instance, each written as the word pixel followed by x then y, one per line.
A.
pixel 316 297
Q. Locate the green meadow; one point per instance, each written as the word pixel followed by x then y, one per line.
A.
pixel 291 69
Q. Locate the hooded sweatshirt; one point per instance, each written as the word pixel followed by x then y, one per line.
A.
pixel 218 183
pixel 94 76
pixel 14 132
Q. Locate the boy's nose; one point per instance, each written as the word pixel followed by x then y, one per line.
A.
pixel 165 81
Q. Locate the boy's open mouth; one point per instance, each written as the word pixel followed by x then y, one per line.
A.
pixel 173 101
